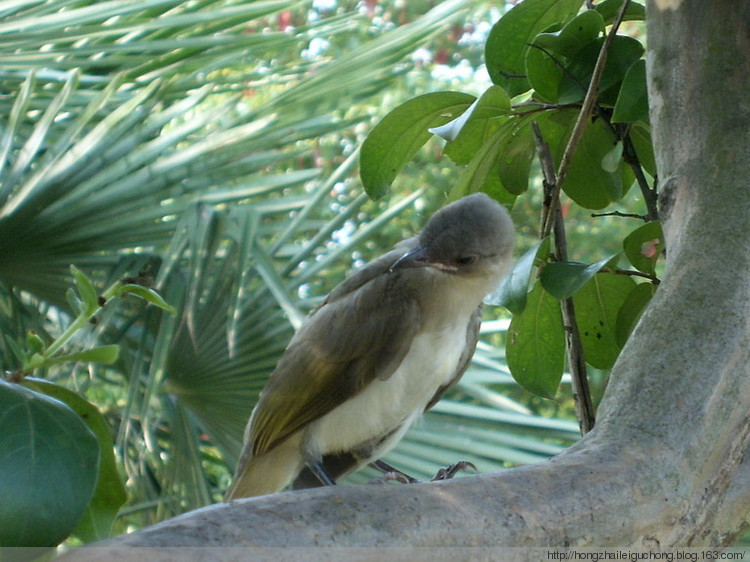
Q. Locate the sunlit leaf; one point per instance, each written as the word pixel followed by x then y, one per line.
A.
pixel 552 52
pixel 398 136
pixel 510 37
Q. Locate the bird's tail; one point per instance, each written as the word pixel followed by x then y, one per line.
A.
pixel 267 473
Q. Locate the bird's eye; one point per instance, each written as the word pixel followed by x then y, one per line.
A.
pixel 466 260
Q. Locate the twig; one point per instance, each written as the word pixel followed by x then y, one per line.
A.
pixel 649 194
pixel 576 361
pixel 653 278
pixel 580 126
pixel 620 214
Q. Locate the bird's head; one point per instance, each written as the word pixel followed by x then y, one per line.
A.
pixel 472 237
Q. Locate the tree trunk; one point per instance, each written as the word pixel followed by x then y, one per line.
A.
pixel 664 466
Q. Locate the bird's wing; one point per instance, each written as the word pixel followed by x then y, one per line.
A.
pixel 364 329
pixel 472 337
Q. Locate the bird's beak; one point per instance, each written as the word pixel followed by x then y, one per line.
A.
pixel 417 257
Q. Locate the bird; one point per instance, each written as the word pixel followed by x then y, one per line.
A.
pixel 384 347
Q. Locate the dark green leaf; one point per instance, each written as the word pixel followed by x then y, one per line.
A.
pixel 551 53
pixel 610 8
pixel 632 101
pixel 623 52
pixel 109 494
pixel 510 37
pixel 644 149
pixel 632 309
pixel 644 246
pixel 563 279
pixel 536 344
pixel 48 468
pixel 513 290
pixel 398 136
pixel 597 305
pixel 587 183
pixel 149 295
pixel 514 160
pixel 18 351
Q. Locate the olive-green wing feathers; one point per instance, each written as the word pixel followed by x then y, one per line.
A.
pixel 366 326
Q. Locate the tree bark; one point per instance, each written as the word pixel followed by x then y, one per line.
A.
pixel 666 463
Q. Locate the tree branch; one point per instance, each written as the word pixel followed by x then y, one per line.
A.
pixel 573 344
pixel 583 117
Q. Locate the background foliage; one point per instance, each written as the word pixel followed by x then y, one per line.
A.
pixel 209 150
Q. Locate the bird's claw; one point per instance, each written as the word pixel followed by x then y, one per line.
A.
pixel 448 472
pixel 394 476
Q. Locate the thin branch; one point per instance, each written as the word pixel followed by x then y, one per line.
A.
pixel 577 363
pixel 651 277
pixel 650 195
pixel 583 118
pixel 620 214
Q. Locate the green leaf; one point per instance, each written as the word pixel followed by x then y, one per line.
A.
pixel 586 182
pixel 611 161
pixel 535 350
pixel 18 351
pixel 482 173
pixel 515 159
pixel 632 101
pixel 467 133
pixel 86 290
pixel 149 295
pixel 48 467
pixel 400 134
pixel 563 279
pixel 74 302
pixel 505 156
pixel 551 52
pixel 632 310
pixel 640 136
pixel 623 52
pixel 597 305
pixel 34 343
pixel 510 37
pixel 104 355
pixel 610 8
pixel 109 494
pixel 513 289
pixel 644 246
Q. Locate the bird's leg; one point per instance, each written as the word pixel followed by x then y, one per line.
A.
pixel 391 473
pixel 448 472
pixel 316 467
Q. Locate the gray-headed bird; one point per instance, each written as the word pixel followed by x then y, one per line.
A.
pixel 384 347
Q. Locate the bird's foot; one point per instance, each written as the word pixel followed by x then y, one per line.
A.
pixel 448 472
pixel 393 477
pixel 391 474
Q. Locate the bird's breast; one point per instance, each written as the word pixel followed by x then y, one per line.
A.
pixel 387 404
